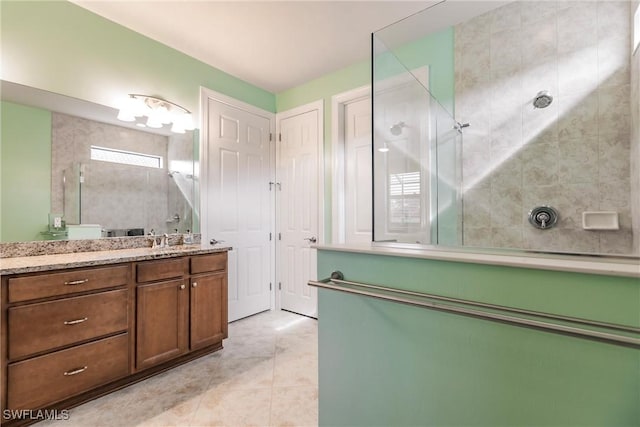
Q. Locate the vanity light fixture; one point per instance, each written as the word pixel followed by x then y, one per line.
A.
pixel 159 112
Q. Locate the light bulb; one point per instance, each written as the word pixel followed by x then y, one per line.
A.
pixel 187 121
pixel 127 113
pixel 126 116
pixel 153 122
pixel 162 112
pixel 138 107
pixel 177 126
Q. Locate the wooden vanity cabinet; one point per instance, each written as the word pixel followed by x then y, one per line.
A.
pixel 176 316
pixel 73 335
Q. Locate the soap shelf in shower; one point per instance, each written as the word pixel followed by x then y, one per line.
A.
pixel 600 220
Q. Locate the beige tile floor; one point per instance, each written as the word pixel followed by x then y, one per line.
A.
pixel 266 375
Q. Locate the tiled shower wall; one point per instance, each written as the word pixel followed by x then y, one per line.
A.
pixel 114 196
pixel 635 141
pixel 573 155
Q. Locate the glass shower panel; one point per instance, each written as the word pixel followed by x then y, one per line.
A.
pixel 71 188
pixel 447 178
pixel 415 152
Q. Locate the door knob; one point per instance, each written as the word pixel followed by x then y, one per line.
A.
pixel 195 284
pixel 311 239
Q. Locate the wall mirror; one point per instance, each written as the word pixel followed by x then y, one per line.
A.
pixel 126 179
pixel 525 136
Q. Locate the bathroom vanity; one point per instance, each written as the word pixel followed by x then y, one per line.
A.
pixel 78 326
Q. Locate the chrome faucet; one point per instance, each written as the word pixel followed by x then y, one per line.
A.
pixel 164 241
pixel 152 237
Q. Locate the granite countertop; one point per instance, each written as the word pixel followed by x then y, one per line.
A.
pixel 32 264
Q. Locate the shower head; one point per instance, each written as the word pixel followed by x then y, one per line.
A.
pixel 397 128
pixel 543 99
pixel 173 174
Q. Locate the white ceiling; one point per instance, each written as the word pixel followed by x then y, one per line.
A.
pixel 275 45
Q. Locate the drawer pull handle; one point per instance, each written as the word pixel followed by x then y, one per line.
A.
pixel 77 282
pixel 75 371
pixel 195 284
pixel 75 322
pixel 182 286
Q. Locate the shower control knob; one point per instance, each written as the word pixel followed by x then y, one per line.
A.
pixel 543 217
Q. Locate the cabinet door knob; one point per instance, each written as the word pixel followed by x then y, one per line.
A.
pixel 195 284
pixel 182 286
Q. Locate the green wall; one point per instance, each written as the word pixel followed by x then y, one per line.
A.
pixel 25 180
pixel 436 51
pixel 63 48
pixel 388 364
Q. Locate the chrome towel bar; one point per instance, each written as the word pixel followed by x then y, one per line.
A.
pixel 489 312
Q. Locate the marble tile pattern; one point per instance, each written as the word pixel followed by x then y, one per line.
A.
pixel 116 196
pixel 635 141
pixel 266 375
pixel 573 155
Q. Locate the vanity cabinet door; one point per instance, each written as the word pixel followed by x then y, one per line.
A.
pixel 161 322
pixel 208 310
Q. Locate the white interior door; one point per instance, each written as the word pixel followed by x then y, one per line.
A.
pixel 238 201
pixel 357 170
pixel 299 180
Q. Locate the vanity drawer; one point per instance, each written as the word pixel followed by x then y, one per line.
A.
pixel 206 263
pixel 48 325
pixel 70 281
pixel 43 380
pixel 150 271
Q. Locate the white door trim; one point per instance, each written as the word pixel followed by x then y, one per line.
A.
pixel 338 103
pixel 319 107
pixel 202 172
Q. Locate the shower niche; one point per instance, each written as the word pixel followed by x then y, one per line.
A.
pixel 483 111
